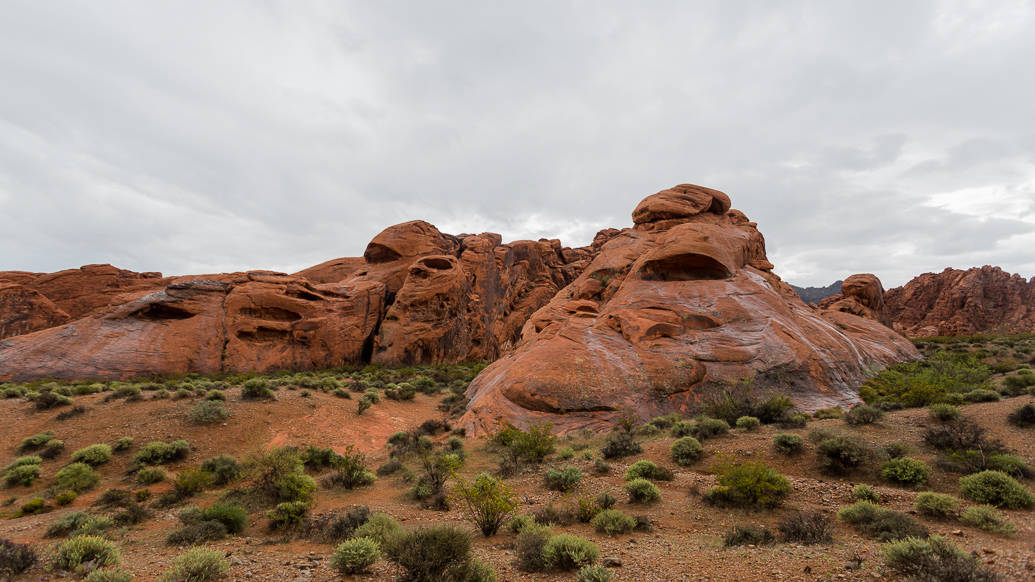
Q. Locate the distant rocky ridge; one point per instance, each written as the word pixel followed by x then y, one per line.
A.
pixel 817 294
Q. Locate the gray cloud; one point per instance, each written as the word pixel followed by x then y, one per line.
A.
pixel 889 138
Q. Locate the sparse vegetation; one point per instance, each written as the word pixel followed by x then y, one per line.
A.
pixel 879 523
pixel 937 505
pixel 934 560
pixel 996 488
pixel 488 501
pixel 788 444
pixel 197 565
pixel 807 527
pixel 642 491
pixel 749 484
pixel 686 451
pixel 89 548
pixel 355 556
pixel 905 471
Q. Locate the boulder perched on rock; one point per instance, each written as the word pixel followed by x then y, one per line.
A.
pixel 681 305
pixel 861 295
pixel 962 302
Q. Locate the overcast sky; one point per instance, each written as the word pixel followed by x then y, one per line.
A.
pixel 191 137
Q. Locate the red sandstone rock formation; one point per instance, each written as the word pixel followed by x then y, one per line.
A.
pixel 955 302
pixel 861 295
pixel 682 303
pixel 416 296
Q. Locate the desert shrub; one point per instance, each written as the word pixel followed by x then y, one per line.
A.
pixel 666 422
pixel 65 497
pixel 937 505
pixel 1023 416
pixel 197 565
pixel 981 395
pixel 93 455
pixel 619 443
pixel 927 381
pixel 798 420
pixel 529 545
pixel 15 558
pixel 586 509
pixel 996 488
pixel 24 475
pixel 749 484
pixel 642 491
pixel 488 501
pixel 35 441
pixel 351 470
pixel 380 527
pixel 788 444
pixel 52 449
pixel 180 394
pixel 905 471
pixel 316 458
pixel 601 467
pixel 32 506
pixel 75 551
pixel 190 482
pixel 825 413
pixel 215 395
pixel 159 453
pixel 336 525
pixel 748 423
pixel 132 513
pixel 197 532
pixel 278 475
pixel 232 516
pixel 364 403
pixel 744 400
pixel 76 523
pixel 433 554
pixel 864 492
pixel 403 391
pixel 863 414
pixel 748 535
pixel 532 445
pixel 208 412
pixel 682 429
pixel 392 467
pixel 943 412
pixel 896 450
pixel 935 560
pixel 987 518
pixel 150 475
pixel 842 454
pixel 257 389
pixel 113 498
pixel 807 527
pixel 355 556
pixel 645 470
pixel 223 468
pixel 519 522
pixel 77 477
pixel 48 399
pixel 594 573
pixel 565 453
pixel 287 515
pixel 706 428
pixel 113 575
pixel 686 451
pixel 569 552
pixel 879 523
pixel 613 522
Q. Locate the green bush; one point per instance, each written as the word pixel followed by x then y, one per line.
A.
pixel 924 382
pixel 233 517
pixel 706 428
pixel 620 443
pixel 65 497
pixel 863 414
pixel 35 442
pixel 996 488
pixel 209 411
pixel 151 475
pixel 15 558
pixel 1023 416
pixel 642 491
pixel 108 576
pixel 223 468
pixel 257 389
pixel 905 471
pixel 788 444
pixel 748 535
pixel 981 396
pixel 943 412
pixel 159 453
pixel 438 553
pixel 594 574
pixel 23 475
pixel 647 470
pixel 613 522
pixel 569 552
pixel 749 484
pixel 937 505
pixel 122 444
pixel 529 545
pixel 825 413
pixel 93 455
pixel 748 423
pixel 381 528
pixel 807 527
pixel 196 532
pixel 842 454
pixel 879 523
pixel 32 506
pixel 77 477
pixel 566 453
pixel 287 515
pixel 355 556
pixel 197 565
pixel 686 451
pixel 75 551
pixel 363 404
pixel 190 482
pixel 987 518
pixel 532 445
pixel 935 560
pixel 744 400
pixel 48 399
pixel 682 429
pixel 488 501
pixel 351 470
pixel 864 492
pixel 76 523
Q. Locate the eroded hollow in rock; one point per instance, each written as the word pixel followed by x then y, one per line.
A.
pixel 162 311
pixel 684 267
pixel 436 263
pixel 270 313
pixel 378 253
pixel 264 334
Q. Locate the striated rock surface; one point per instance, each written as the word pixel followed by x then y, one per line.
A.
pixel 682 303
pixel 861 295
pixel 416 296
pixel 958 302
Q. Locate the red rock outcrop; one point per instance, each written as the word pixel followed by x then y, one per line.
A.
pixel 683 303
pixel 861 295
pixel 416 296
pixel 956 302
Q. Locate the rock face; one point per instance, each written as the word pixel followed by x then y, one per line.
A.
pixel 416 296
pixel 954 302
pixel 683 303
pixel 861 295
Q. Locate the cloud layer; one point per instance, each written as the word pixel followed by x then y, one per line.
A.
pixel 885 137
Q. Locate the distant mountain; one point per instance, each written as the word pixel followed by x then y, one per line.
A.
pixel 815 294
